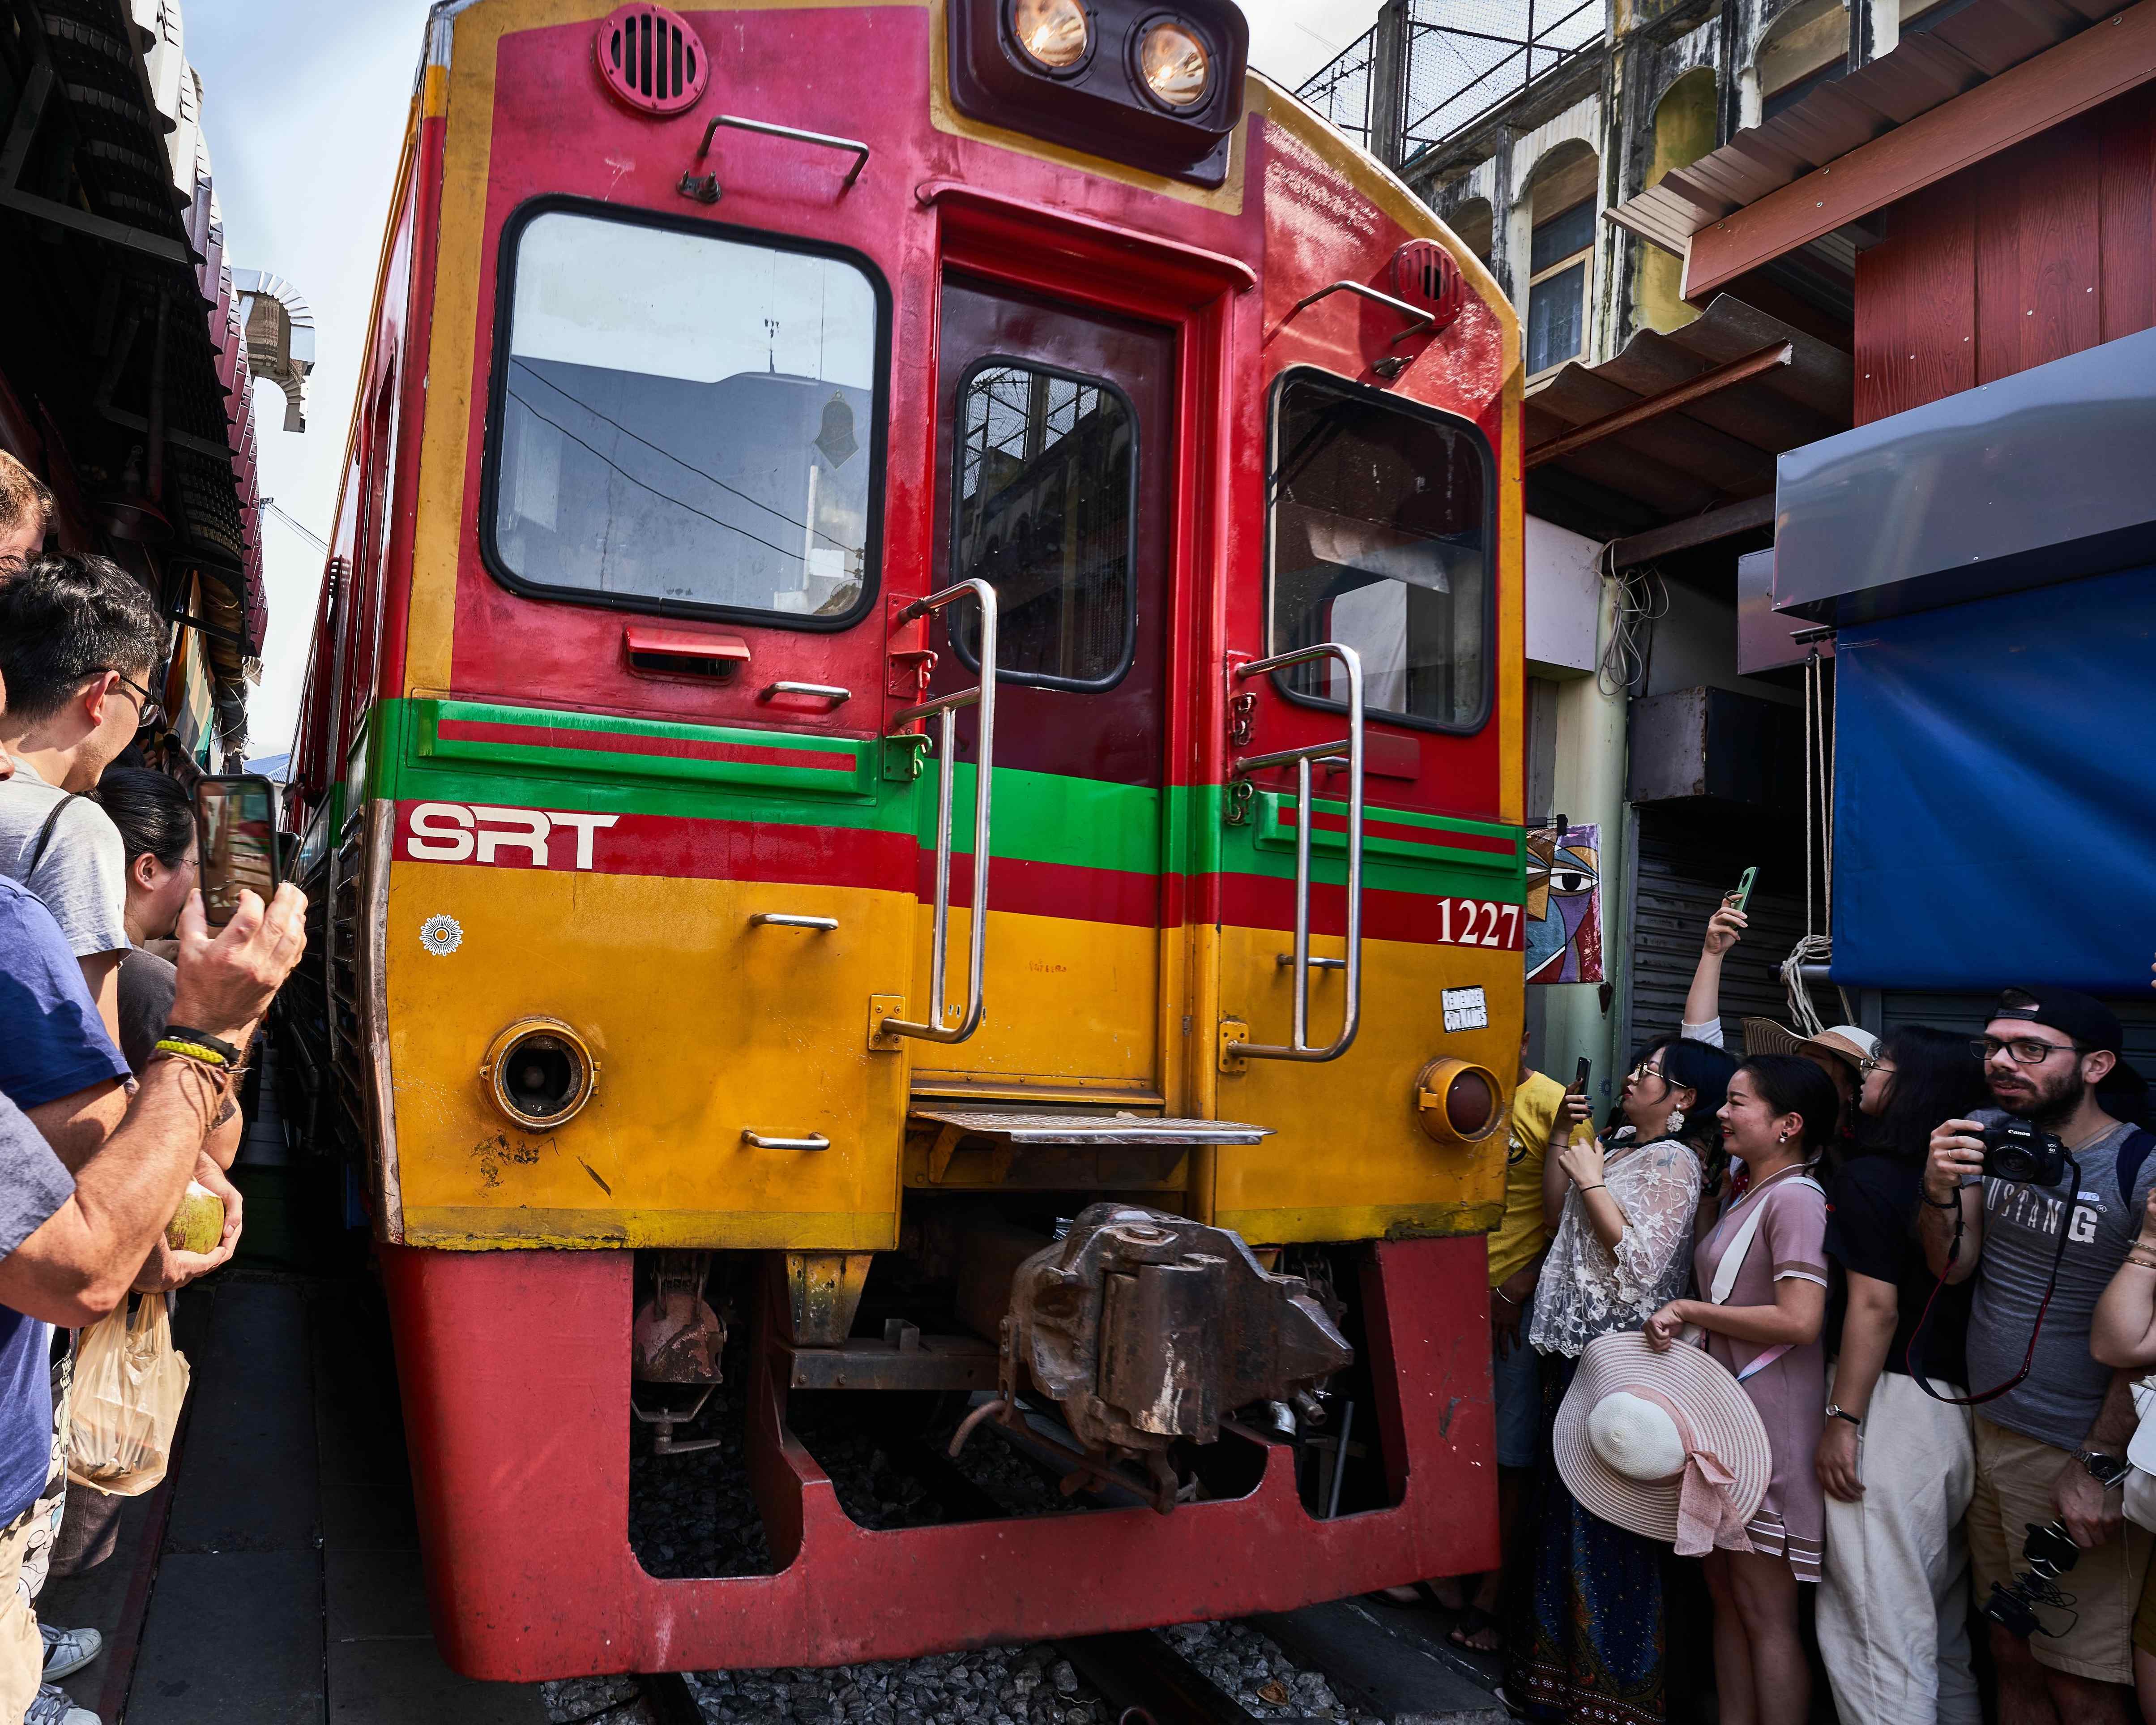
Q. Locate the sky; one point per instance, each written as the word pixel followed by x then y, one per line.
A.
pixel 303 104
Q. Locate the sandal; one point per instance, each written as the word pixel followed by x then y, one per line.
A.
pixel 1476 1621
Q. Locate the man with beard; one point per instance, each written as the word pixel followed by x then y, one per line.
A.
pixel 2051 1445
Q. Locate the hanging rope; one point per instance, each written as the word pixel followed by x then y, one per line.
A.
pixel 1815 948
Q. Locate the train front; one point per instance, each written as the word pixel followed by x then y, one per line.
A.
pixel 878 461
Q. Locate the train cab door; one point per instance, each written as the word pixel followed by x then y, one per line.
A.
pixel 1056 439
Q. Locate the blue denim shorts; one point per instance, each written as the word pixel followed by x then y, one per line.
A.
pixel 1519 1396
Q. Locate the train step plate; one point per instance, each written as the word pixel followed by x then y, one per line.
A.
pixel 1018 1127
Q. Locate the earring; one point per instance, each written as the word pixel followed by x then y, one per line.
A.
pixel 1676 1120
pixel 1781 1138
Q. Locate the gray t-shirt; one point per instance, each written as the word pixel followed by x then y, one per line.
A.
pixel 2057 1402
pixel 82 875
pixel 146 986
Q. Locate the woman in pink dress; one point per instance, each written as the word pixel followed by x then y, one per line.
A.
pixel 1762 1269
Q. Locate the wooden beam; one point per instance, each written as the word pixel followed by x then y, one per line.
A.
pixel 1746 517
pixel 1650 407
pixel 2084 71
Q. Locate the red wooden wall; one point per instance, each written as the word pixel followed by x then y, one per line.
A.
pixel 2039 252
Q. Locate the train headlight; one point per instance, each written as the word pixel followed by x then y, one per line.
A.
pixel 1055 34
pixel 1174 63
pixel 1458 1101
pixel 539 1073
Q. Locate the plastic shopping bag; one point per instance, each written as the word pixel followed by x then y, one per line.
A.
pixel 130 1385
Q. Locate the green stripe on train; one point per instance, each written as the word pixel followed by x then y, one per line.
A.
pixel 1044 817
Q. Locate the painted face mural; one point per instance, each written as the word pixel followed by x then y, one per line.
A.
pixel 1564 905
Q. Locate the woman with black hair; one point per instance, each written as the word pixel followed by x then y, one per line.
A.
pixel 1899 1467
pixel 1763 1267
pixel 157 821
pixel 1586 1638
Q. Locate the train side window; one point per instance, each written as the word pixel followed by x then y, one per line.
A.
pixel 1381 540
pixel 1045 500
pixel 686 420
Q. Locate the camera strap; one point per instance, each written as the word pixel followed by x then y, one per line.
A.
pixel 1913 1359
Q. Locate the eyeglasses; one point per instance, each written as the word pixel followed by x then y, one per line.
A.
pixel 148 713
pixel 1644 1070
pixel 2021 1050
pixel 1868 1065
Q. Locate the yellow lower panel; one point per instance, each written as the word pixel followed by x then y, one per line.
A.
pixel 1348 1158
pixel 1373 1222
pixel 1066 1002
pixel 475 1230
pixel 702 1025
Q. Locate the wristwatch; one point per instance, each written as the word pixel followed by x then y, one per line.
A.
pixel 1836 1413
pixel 2106 1470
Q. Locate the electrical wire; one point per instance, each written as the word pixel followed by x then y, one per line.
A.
pixel 297 526
pixel 1642 600
pixel 644 485
pixel 735 490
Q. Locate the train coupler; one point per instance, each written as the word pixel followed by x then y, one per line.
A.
pixel 1147 1327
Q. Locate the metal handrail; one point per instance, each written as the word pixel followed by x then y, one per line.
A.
pixel 945 710
pixel 1297 1047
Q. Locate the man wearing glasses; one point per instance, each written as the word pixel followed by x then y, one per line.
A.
pixel 2050 1445
pixel 78 637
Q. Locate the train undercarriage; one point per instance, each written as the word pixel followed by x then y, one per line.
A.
pixel 1208 1437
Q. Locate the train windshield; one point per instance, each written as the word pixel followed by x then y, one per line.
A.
pixel 1044 482
pixel 686 419
pixel 1381 542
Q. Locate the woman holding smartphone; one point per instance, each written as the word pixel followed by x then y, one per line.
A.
pixel 1585 1641
pixel 1764 1266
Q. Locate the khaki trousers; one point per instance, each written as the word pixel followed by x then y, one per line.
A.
pixel 21 1648
pixel 1893 1599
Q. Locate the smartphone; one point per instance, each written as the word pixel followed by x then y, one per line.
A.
pixel 1579 1077
pixel 236 825
pixel 1743 896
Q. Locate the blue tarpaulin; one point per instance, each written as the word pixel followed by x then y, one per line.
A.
pixel 1995 792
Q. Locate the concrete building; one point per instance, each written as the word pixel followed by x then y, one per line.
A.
pixel 129 345
pixel 1590 153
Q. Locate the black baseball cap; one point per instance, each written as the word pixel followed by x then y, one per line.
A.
pixel 2082 1016
pixel 2122 1093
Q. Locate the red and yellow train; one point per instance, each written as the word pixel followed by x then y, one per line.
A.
pixel 924 636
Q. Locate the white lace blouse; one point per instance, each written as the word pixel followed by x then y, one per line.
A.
pixel 1587 1291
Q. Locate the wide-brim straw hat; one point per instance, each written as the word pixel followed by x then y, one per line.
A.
pixel 1664 1444
pixel 1848 1044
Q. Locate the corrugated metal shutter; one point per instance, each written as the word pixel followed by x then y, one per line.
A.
pixel 1968 1012
pixel 1687 862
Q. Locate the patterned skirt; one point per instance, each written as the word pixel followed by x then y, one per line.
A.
pixel 1585 1632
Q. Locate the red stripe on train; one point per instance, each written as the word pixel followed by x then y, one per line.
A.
pixel 1443 836
pixel 530 736
pixel 677 848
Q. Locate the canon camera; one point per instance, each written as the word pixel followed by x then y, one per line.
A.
pixel 2026 1153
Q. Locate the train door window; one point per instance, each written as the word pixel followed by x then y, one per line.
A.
pixel 1044 492
pixel 686 421
pixel 1381 537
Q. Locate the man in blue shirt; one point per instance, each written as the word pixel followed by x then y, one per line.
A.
pixel 71 1243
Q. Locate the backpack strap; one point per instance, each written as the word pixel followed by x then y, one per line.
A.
pixel 45 837
pixel 2131 1154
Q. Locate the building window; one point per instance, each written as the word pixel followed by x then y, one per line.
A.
pixel 1557 264
pixel 686 421
pixel 1808 47
pixel 1381 533
pixel 1045 489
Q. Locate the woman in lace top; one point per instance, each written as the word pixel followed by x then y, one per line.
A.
pixel 1585 1637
